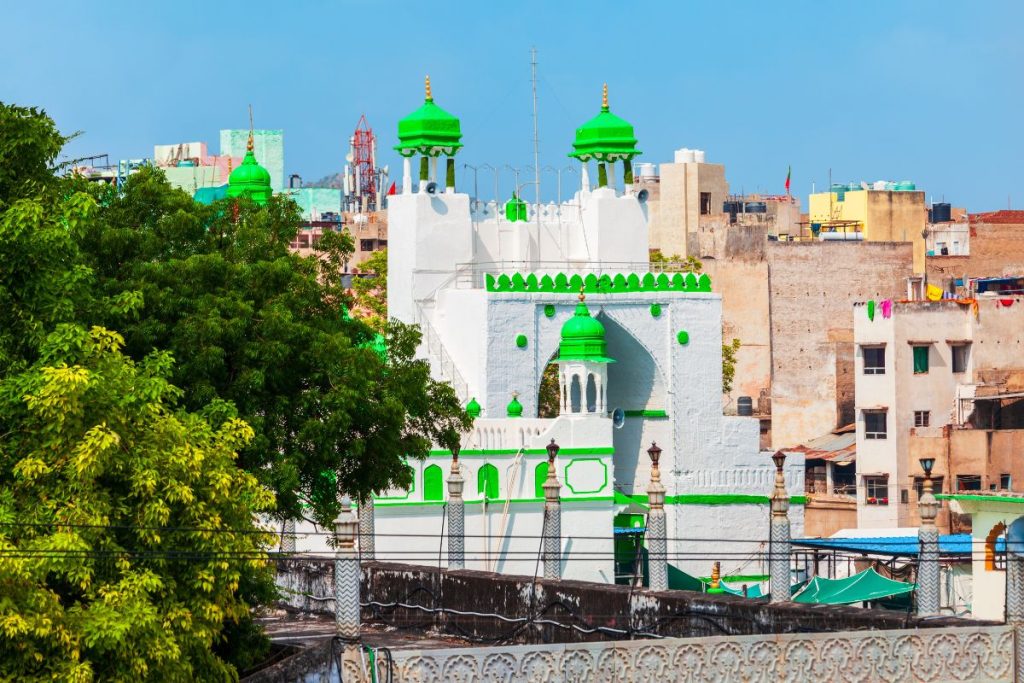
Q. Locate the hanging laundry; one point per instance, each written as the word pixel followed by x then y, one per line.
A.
pixel 934 293
pixel 871 309
pixel 1006 302
pixel 886 307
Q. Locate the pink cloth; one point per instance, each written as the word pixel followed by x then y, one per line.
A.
pixel 886 307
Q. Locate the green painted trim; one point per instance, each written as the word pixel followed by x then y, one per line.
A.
pixel 597 450
pixel 496 501
pixel 655 310
pixel 521 341
pixel 979 496
pixel 433 483
pixel 683 337
pixel 646 413
pixel 604 468
pixel 594 284
pixel 549 311
pixel 715 499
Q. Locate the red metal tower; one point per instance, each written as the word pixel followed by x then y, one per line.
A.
pixel 363 163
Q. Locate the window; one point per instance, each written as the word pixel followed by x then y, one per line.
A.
pixel 487 482
pixel 919 486
pixel 876 490
pixel 874 424
pixel 705 203
pixel 540 475
pixel 922 418
pixel 968 482
pixel 1005 483
pixel 920 360
pixel 874 360
pixel 433 483
pixel 365 245
pixel 960 357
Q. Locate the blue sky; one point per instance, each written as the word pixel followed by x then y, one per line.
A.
pixel 925 91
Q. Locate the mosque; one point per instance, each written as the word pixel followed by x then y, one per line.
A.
pixel 503 291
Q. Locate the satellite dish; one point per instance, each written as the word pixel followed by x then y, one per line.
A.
pixel 618 418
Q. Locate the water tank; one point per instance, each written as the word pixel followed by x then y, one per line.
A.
pixel 941 213
pixel 879 185
pixel 853 187
pixel 698 156
pixel 744 406
pixel 905 186
pixel 756 207
pixel 684 156
pixel 647 171
pixel 839 189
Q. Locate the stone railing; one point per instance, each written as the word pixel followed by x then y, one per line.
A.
pixel 982 653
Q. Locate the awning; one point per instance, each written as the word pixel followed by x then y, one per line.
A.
pixel 681 581
pixel 867 585
pixel 894 546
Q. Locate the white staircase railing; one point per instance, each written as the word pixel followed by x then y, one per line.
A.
pixel 438 355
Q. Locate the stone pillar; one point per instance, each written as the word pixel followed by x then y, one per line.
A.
pixel 552 518
pixel 406 175
pixel 367 543
pixel 585 177
pixel 1015 592
pixel 288 536
pixel 928 558
pixel 449 176
pixel 657 542
pixel 346 573
pixel 778 558
pixel 456 516
pixel 433 169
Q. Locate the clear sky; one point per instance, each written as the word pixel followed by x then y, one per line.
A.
pixel 928 91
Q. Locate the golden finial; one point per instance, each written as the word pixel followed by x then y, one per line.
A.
pixel 582 295
pixel 430 95
pixel 249 146
pixel 604 97
pixel 715 575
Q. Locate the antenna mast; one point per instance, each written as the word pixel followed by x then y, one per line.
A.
pixel 536 142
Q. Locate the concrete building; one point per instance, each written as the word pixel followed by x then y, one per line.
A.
pixel 685 196
pixel 990 516
pixel 881 212
pixel 942 380
pixel 268 147
pixel 779 214
pixel 993 247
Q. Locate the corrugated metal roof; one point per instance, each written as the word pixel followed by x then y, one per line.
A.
pixel 831 446
pixel 893 546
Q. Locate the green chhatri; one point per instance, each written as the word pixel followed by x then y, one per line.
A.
pixel 606 137
pixel 429 130
pixel 583 338
pixel 250 179
pixel 473 408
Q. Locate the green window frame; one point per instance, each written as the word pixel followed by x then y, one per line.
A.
pixel 487 481
pixel 433 483
pixel 540 475
pixel 920 360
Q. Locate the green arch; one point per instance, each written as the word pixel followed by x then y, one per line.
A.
pixel 487 481
pixel 540 475
pixel 433 483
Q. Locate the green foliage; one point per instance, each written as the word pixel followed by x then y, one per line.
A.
pixel 676 263
pixel 548 404
pixel 371 290
pixel 251 323
pixel 29 145
pixel 729 364
pixel 125 525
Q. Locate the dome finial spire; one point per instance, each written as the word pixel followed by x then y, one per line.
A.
pixel 604 97
pixel 430 95
pixel 583 297
pixel 249 145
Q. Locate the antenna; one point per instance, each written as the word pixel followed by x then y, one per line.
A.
pixel 536 142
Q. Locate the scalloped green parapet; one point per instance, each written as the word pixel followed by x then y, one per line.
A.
pixel 592 283
pixel 561 283
pixel 632 282
pixel 576 283
pixel 663 282
pixel 691 282
pixel 531 283
pixel 648 283
pixel 504 283
pixel 547 284
pixel 678 282
pixel 704 283
pixel 604 284
pixel 518 283
pixel 489 282
pixel 619 283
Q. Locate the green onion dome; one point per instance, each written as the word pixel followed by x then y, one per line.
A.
pixel 583 337
pixel 250 179
pixel 606 137
pixel 429 130
pixel 515 408
pixel 473 408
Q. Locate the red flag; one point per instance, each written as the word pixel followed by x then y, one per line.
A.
pixel 789 174
pixel 392 190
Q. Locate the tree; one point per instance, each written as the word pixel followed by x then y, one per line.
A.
pixel 729 364
pixel 371 291
pixel 675 262
pixel 250 322
pixel 125 525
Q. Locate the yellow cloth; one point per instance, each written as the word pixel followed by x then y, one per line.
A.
pixel 934 293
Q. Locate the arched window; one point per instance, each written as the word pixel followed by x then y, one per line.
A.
pixel 433 483
pixel 591 394
pixel 487 481
pixel 990 547
pixel 540 475
pixel 575 394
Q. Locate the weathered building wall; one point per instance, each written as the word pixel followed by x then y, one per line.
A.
pixel 997 248
pixel 812 288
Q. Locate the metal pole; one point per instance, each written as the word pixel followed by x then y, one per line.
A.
pixel 346 573
pixel 552 518
pixel 456 516
pixel 778 557
pixel 657 544
pixel 536 145
pixel 928 537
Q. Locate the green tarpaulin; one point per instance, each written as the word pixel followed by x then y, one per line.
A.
pixel 867 585
pixel 681 581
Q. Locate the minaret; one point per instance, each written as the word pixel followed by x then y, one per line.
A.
pixel 250 179
pixel 430 132
pixel 606 138
pixel 582 364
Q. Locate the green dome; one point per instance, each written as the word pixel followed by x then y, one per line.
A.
pixel 473 408
pixel 250 179
pixel 429 130
pixel 515 408
pixel 583 338
pixel 606 137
